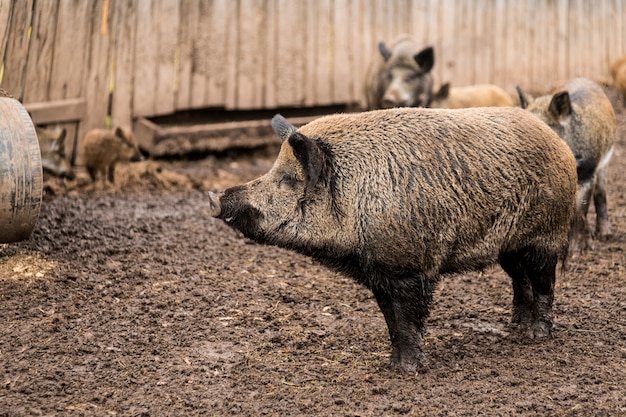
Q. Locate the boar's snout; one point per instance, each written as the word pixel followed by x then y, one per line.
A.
pixel 215 206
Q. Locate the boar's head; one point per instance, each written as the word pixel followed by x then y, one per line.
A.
pixel 406 77
pixel 292 205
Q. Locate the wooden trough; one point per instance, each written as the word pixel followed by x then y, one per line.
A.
pixel 165 140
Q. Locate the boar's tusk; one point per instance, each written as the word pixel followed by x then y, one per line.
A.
pixel 215 207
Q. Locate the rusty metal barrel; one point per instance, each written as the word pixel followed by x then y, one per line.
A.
pixel 21 175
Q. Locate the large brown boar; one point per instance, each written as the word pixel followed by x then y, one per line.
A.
pixel 400 76
pixel 52 147
pixel 480 95
pixel 396 198
pixel 103 149
pixel 582 115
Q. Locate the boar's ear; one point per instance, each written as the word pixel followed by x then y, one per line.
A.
pixel 425 59
pixel 524 99
pixel 384 51
pixel 310 155
pixel 560 105
pixel 443 93
pixel 120 133
pixel 62 134
pixel 282 127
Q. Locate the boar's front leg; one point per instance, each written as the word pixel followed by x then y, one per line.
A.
pixel 405 306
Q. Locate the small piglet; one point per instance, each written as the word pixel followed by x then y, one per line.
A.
pixel 582 115
pixel 480 95
pixel 103 149
pixel 396 198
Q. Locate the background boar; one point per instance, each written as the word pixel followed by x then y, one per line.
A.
pixel 103 149
pixel 396 198
pixel 582 115
pixel 400 76
pixel 482 95
pixel 52 148
pixel 618 73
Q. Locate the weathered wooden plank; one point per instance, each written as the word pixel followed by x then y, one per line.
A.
pixel 481 34
pixel 146 50
pixel 576 39
pixel 6 8
pixel 167 34
pixel 562 50
pixel 184 53
pixel 71 49
pixel 272 56
pixel 97 72
pixel 249 62
pixel 220 52
pixel 41 50
pixel 46 112
pixel 446 57
pixel 16 53
pixel 290 42
pixel 359 34
pixel 214 137
pixel 323 53
pixel 124 30
pixel 200 46
pixel 232 56
pixel 342 55
pixel 499 30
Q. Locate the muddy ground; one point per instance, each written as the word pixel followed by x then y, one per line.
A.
pixel 131 301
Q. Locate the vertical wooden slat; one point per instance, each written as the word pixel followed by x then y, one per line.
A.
pixel 5 26
pixel 184 53
pixel 217 59
pixel 481 44
pixel 16 54
pixel 167 35
pixel 272 57
pixel 446 58
pixel 232 54
pixel 41 52
pixel 499 57
pixel 562 50
pixel 342 53
pixel 253 32
pixel 324 70
pixel 124 32
pixel 310 54
pixel 200 44
pixel 97 71
pixel 146 50
pixel 576 42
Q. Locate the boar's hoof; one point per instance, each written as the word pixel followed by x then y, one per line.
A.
pixel 215 207
pixel 539 330
pixel 408 366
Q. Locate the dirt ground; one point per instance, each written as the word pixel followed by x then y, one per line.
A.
pixel 131 301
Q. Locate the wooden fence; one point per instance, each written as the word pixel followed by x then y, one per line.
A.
pixel 79 61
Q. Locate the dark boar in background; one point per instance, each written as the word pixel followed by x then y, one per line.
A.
pixel 52 148
pixel 400 76
pixel 103 149
pixel 582 115
pixel 396 198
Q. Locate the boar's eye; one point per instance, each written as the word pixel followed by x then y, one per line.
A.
pixel 411 77
pixel 287 180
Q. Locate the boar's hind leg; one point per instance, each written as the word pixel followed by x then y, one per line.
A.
pixel 405 307
pixel 533 272
pixel 603 225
